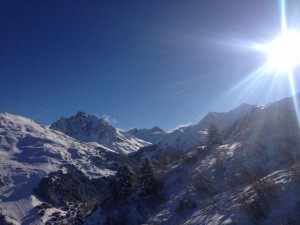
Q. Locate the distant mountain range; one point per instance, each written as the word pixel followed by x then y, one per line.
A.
pixel 252 179
pixel 91 129
pixel 188 137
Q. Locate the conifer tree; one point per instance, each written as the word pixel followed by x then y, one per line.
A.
pixel 214 137
pixel 123 182
pixel 148 180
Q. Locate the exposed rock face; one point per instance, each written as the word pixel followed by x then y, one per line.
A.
pixel 90 128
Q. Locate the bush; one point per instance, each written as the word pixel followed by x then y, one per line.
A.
pixel 258 206
pixel 203 184
pixel 185 203
pixel 255 208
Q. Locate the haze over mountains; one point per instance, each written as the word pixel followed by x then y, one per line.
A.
pixel 90 128
pixel 74 166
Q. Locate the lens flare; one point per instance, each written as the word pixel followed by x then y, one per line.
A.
pixel 283 58
pixel 283 52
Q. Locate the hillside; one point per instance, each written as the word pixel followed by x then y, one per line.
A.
pixel 253 179
pixel 30 151
pixel 48 177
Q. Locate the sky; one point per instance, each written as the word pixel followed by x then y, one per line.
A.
pixel 137 63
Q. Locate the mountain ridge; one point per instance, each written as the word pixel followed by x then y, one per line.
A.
pixel 188 137
pixel 90 128
pixel 152 135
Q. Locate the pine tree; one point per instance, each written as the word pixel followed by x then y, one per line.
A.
pixel 148 180
pixel 123 182
pixel 214 137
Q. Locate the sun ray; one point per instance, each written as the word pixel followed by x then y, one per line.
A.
pixel 290 71
pixel 294 94
pixel 283 16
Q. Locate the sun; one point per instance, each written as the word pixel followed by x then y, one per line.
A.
pixel 283 52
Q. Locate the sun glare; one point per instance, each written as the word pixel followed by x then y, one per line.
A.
pixel 284 52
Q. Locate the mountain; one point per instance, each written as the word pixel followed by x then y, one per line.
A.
pixel 187 137
pixel 31 152
pixel 90 128
pixel 152 135
pixel 48 177
pixel 253 179
pixel 269 120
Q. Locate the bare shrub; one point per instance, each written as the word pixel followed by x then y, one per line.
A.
pixel 219 165
pixel 250 176
pixel 266 189
pixel 184 204
pixel 264 193
pixel 255 208
pixel 232 181
pixel 203 184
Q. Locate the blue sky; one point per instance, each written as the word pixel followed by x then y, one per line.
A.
pixel 140 63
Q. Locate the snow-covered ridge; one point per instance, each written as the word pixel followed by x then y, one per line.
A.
pixel 29 151
pixel 152 135
pixel 187 137
pixel 258 162
pixel 90 128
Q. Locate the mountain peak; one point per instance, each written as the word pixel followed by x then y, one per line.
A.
pixel 90 128
pixel 245 105
pixel 81 114
pixel 157 129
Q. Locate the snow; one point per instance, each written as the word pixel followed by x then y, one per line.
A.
pixel 262 141
pixel 224 207
pixel 89 128
pixel 188 137
pixel 30 151
pixel 152 135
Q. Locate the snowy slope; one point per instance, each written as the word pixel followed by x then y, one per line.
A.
pixel 152 135
pixel 29 151
pixel 222 197
pixel 214 186
pixel 253 179
pixel 90 128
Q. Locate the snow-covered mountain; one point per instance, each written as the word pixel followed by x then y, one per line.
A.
pixel 153 135
pixel 187 137
pixel 90 128
pixel 30 151
pixel 253 179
